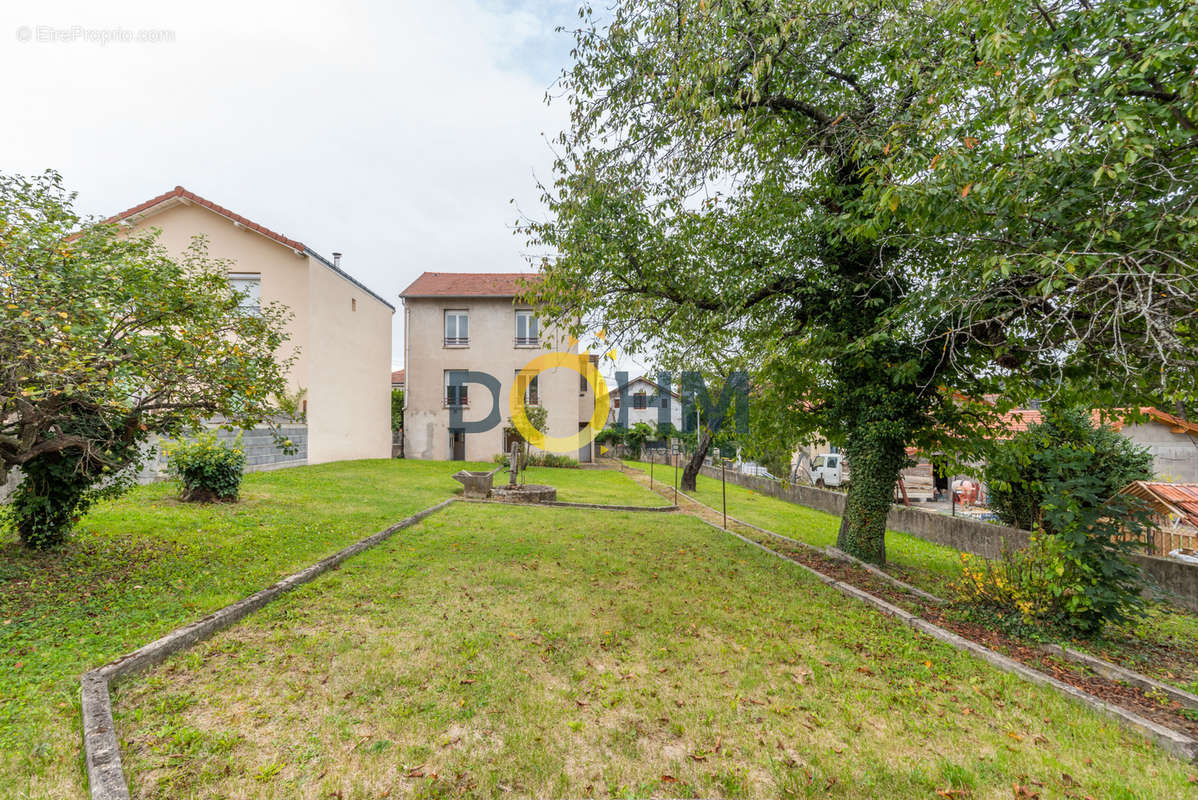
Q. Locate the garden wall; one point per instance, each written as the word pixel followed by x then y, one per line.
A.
pixel 1177 580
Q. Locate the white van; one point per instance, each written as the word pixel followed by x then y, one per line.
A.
pixel 829 470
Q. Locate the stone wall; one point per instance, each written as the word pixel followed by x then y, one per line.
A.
pixel 1177 580
pixel 261 453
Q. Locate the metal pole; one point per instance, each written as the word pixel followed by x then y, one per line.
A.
pixel 724 489
pixel 953 492
pixel 650 469
pixel 675 475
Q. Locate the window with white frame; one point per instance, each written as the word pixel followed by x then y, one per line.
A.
pixel 526 328
pixel 457 328
pixel 528 384
pixel 455 395
pixel 249 286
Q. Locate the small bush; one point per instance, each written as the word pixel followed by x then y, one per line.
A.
pixel 539 460
pixel 552 460
pixel 209 469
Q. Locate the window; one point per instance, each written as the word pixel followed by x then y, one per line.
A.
pixel 583 383
pixel 831 462
pixel 249 286
pixel 457 328
pixel 665 401
pixel 526 328
pixel 639 400
pixel 455 395
pixel 529 384
pixel 616 400
pixel 353 304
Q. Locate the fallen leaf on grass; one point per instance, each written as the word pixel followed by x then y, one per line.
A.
pixel 1024 792
pixel 952 792
pixel 668 779
pixel 415 772
pixel 467 681
pixel 698 756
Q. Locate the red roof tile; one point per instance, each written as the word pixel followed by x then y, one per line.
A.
pixel 397 377
pixel 469 284
pixel 1178 499
pixel 180 193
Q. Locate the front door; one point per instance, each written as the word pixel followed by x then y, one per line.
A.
pixel 584 452
pixel 457 444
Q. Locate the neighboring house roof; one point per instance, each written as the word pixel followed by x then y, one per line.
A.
pixel 469 284
pixel 655 385
pixel 397 377
pixel 181 195
pixel 1020 419
pixel 1178 500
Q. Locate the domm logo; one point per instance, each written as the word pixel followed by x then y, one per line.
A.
pixel 734 395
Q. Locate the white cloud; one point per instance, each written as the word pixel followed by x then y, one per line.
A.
pixel 396 133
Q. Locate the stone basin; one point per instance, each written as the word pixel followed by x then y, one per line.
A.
pixel 528 493
pixel 475 484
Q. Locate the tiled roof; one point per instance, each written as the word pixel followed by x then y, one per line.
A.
pixel 180 194
pixel 1180 500
pixel 469 284
pixel 1020 419
pixel 397 377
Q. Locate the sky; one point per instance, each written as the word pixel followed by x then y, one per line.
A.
pixel 407 136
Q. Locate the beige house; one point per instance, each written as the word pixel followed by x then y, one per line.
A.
pixel 456 322
pixel 340 329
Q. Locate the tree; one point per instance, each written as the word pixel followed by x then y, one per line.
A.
pixel 718 190
pixel 888 207
pixel 1061 153
pixel 107 339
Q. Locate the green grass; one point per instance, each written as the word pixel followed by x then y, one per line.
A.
pixel 930 565
pixel 934 567
pixel 564 653
pixel 141 566
pixel 592 486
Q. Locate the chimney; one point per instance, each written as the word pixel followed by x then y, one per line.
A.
pixel 336 259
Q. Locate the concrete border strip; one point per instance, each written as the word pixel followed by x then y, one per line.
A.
pixel 1103 667
pixel 101 746
pixel 1173 742
pixel 1117 673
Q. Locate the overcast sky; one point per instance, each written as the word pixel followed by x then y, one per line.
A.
pixel 397 133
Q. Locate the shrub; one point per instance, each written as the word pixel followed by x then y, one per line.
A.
pixel 552 460
pixel 1026 470
pixel 1040 583
pixel 1061 478
pixel 208 468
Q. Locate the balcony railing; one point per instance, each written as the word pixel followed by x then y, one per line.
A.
pixel 527 341
pixel 457 341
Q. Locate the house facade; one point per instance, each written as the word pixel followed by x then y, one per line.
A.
pixel 645 401
pixel 471 322
pixel 340 330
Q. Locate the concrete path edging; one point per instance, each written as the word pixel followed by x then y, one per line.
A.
pixel 101 746
pixel 1173 742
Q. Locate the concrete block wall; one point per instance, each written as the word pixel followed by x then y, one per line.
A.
pixel 1177 580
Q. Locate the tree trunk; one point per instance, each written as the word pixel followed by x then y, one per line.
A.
pixel 875 469
pixel 696 463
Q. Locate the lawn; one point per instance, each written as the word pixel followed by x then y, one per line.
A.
pixel 934 567
pixel 591 486
pixel 565 653
pixel 141 566
pixel 929 565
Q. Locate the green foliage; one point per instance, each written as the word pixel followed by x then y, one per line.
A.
pixel 397 409
pixel 1061 477
pixel 208 468
pixel 1066 451
pixel 291 406
pixel 539 459
pixel 635 438
pixel 57 488
pixel 106 339
pixel 885 209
